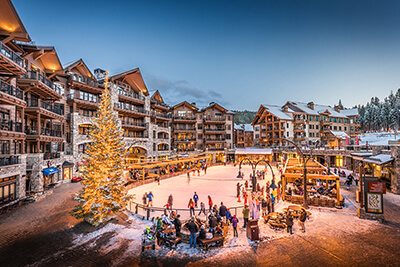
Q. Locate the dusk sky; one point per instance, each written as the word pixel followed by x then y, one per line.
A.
pixel 237 53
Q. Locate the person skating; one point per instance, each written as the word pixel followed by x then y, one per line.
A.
pixel 193 229
pixel 170 201
pixel 303 217
pixel 191 207
pixel 238 185
pixel 202 208
pixel 210 202
pixel 215 210
pixel 289 222
pixel 264 204
pixel 150 197
pixel 195 198
pixel 178 224
pixel 235 222
pixel 246 215
pixel 144 198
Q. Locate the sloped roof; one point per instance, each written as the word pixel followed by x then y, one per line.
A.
pixel 339 134
pixel 11 24
pixel 132 77
pixel 277 111
pixel 350 112
pixel 47 55
pixel 81 67
pixel 216 105
pixel 318 109
pixel 247 127
pixel 379 159
pixel 157 96
pixel 185 103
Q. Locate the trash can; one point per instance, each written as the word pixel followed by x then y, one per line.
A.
pixel 252 230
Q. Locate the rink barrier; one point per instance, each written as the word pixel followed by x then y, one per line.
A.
pixel 152 179
pixel 149 212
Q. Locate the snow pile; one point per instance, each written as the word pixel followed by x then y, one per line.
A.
pixel 110 227
pixel 377 139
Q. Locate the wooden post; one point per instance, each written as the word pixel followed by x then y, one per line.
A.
pixel 283 187
pixel 337 192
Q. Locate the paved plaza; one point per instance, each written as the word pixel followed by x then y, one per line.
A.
pixel 44 234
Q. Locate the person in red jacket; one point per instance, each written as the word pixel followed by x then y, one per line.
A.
pixel 210 202
pixel 191 207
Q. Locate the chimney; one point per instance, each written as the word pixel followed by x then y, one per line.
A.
pixel 285 108
pixel 193 103
pixel 211 103
pixel 336 108
pixel 310 105
pixel 100 74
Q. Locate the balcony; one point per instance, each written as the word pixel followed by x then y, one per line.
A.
pixel 160 105
pixel 11 95
pixel 214 140
pixel 136 135
pixel 43 107
pixel 131 109
pixel 51 155
pixel 11 61
pixel 78 81
pixel 43 86
pixel 215 149
pixel 46 134
pixel 11 129
pixel 134 125
pixel 184 130
pixel 325 122
pixel 214 131
pixel 215 120
pixel 160 115
pixel 131 96
pixel 184 140
pixel 10 160
pixel 90 102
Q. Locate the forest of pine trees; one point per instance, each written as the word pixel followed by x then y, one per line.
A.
pixel 379 115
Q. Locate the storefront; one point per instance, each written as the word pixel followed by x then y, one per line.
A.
pixel 50 176
pixel 67 170
pixel 254 154
pixel 380 166
pixel 8 187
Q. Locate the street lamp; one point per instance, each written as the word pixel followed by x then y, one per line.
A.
pixel 254 167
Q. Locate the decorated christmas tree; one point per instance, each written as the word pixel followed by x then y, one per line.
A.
pixel 103 193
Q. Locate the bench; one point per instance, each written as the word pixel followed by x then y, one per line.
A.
pixel 217 240
pixel 169 242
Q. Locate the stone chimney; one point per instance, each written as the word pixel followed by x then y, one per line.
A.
pixel 336 108
pixel 100 74
pixel 310 105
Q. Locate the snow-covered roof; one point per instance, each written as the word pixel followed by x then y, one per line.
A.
pixel 340 134
pixel 253 151
pixel 377 139
pixel 305 108
pixel 318 109
pixel 277 111
pixel 350 112
pixel 362 154
pixel 248 127
pixel 379 159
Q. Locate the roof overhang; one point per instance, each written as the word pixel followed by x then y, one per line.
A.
pixel 11 24
pixel 80 67
pixel 185 103
pixel 132 77
pixel 47 55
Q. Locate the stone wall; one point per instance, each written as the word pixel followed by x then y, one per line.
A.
pixel 395 153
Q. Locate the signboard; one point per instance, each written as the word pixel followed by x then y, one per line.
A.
pixel 374 203
pixel 377 187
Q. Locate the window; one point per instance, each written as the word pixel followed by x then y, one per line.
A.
pixel 287 125
pixel 345 128
pixel 181 113
pixel 4 147
pixel 340 128
pixel 334 119
pixel 228 137
pixel 199 126
pixel 317 127
pixel 200 136
pixel 154 134
pixel 229 118
pixel 316 118
pixel 334 128
pixel 339 161
pixel 229 127
pixel 340 120
pixel 8 192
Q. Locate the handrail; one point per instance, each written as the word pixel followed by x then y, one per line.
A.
pixel 39 76
pixel 11 55
pixel 11 90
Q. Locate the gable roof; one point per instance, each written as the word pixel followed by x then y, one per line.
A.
pixel 185 103
pixel 47 55
pixel 216 105
pixel 277 112
pixel 132 77
pixel 11 24
pixel 81 67
pixel 157 97
pixel 350 112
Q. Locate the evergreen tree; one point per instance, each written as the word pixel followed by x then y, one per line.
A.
pixel 103 193
pixel 340 105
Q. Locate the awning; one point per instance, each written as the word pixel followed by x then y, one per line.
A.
pixel 380 159
pixel 67 164
pixel 49 171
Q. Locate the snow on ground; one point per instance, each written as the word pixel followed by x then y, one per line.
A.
pixel 377 139
pixel 220 182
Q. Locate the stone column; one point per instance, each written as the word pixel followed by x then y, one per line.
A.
pixel 395 183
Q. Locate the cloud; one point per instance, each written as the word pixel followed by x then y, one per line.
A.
pixel 177 91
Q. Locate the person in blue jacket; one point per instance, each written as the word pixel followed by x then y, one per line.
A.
pixel 195 198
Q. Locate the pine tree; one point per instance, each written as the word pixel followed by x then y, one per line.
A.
pixel 103 194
